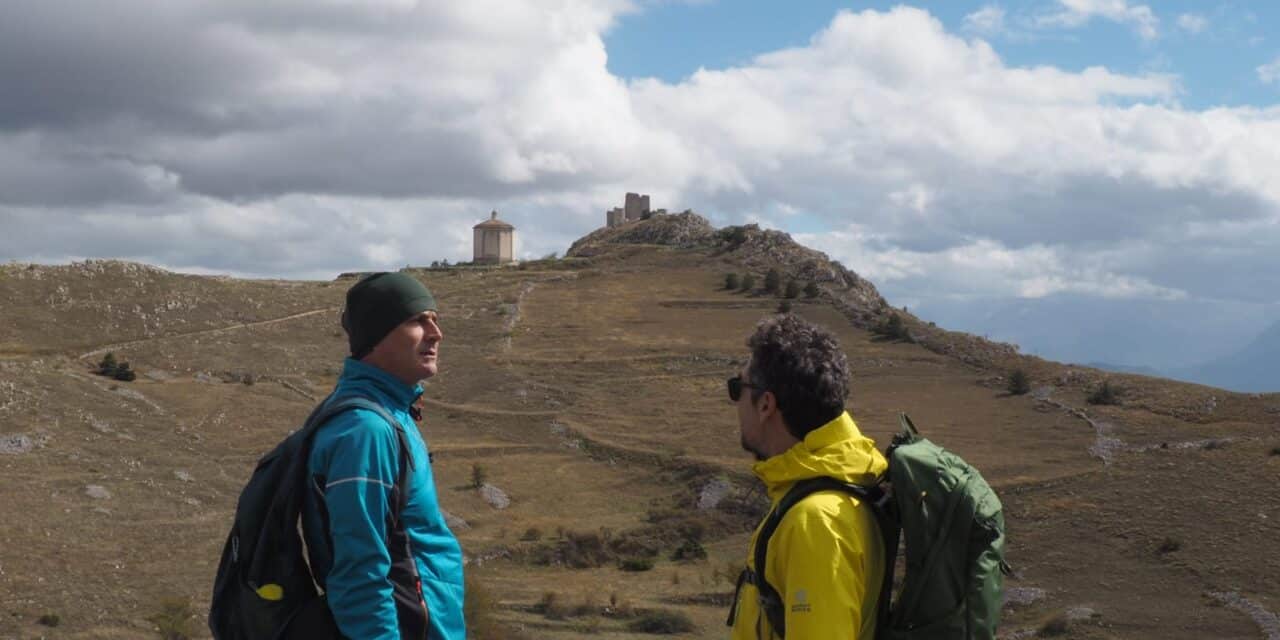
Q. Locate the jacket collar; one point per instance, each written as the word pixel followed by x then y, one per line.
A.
pixel 402 395
pixel 836 449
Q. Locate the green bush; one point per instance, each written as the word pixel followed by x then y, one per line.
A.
pixel 124 373
pixel 893 327
pixel 792 290
pixel 108 365
pixel 636 564
pixel 50 620
pixel 811 290
pixel 689 550
pixel 1168 545
pixel 1275 451
pixel 1104 394
pixel 731 281
pixel 532 534
pixel 480 611
pixel 772 281
pixel 748 282
pixel 784 306
pixel 662 622
pixel 478 475
pixel 1019 383
pixel 175 620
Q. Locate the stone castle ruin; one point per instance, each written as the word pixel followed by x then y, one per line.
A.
pixel 635 207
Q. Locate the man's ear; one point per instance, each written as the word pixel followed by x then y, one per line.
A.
pixel 767 404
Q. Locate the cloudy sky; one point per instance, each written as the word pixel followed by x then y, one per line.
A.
pixel 1092 179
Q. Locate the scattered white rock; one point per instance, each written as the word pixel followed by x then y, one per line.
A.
pixel 183 476
pixel 1042 393
pixel 97 492
pixel 16 443
pixel 1077 614
pixel 713 493
pixel 1022 596
pixel 456 523
pixel 495 497
pixel 158 376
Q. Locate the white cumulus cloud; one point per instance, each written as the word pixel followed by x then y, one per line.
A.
pixel 987 20
pixel 1075 13
pixel 1192 22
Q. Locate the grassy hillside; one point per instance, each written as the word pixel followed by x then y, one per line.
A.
pixel 590 391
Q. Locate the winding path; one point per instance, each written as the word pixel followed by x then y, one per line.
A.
pixel 202 332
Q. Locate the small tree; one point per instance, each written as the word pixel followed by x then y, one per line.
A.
pixel 1019 383
pixel 1104 394
pixel 784 306
pixel 108 365
pixel 793 290
pixel 893 327
pixel 811 290
pixel 478 475
pixel 748 282
pixel 731 281
pixel 772 280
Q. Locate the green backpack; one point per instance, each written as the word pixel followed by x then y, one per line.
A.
pixel 951 523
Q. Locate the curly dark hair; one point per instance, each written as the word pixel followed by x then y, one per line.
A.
pixel 802 364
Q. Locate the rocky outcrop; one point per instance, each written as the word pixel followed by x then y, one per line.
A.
pixel 685 230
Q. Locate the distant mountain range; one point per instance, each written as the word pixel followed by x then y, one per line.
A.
pixel 1254 368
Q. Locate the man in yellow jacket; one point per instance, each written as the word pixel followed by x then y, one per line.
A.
pixel 826 558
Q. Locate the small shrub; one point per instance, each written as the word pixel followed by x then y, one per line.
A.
pixel 748 282
pixel 689 550
pixel 1169 545
pixel 731 281
pixel 662 622
pixel 551 256
pixel 124 374
pixel 772 281
pixel 793 290
pixel 1215 444
pixel 532 534
pixel 553 607
pixel 735 236
pixel 636 564
pixel 1019 383
pixel 175 620
pixel 1055 626
pixel 811 290
pixel 784 306
pixel 893 327
pixel 1104 394
pixel 1275 451
pixel 50 620
pixel 478 475
pixel 108 365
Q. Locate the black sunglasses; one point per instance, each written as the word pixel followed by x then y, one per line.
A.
pixel 735 387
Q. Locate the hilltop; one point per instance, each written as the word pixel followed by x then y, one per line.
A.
pixel 588 392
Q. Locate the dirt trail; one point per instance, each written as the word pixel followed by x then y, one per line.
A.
pixel 247 325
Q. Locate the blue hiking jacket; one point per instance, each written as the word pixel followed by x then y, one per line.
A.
pixel 356 456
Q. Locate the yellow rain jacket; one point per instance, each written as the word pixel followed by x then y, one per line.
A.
pixel 826 558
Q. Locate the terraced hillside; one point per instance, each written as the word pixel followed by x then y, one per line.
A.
pixel 588 392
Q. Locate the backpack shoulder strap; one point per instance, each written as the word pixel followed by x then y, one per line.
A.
pixel 335 405
pixel 771 601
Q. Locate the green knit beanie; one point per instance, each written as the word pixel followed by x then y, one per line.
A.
pixel 379 303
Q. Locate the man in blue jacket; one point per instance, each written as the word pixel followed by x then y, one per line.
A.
pixel 389 565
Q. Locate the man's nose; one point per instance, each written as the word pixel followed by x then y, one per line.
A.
pixel 433 331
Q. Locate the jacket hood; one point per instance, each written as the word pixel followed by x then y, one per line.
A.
pixel 836 449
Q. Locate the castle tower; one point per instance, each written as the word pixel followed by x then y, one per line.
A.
pixel 494 241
